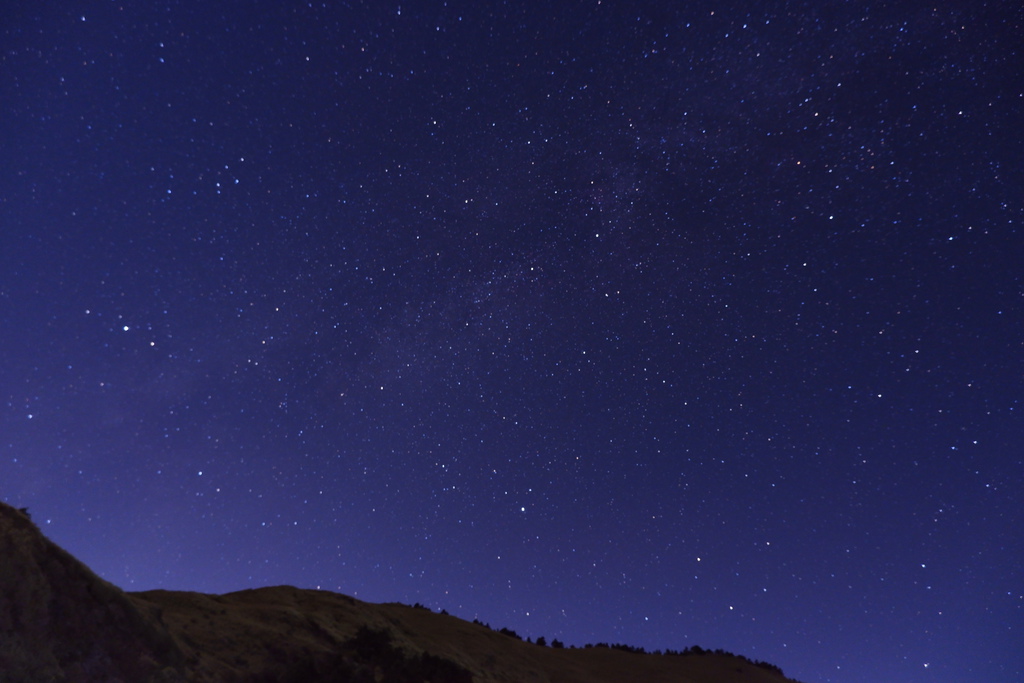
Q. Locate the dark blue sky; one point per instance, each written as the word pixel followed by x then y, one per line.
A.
pixel 655 323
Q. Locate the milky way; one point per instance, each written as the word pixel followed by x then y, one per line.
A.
pixel 611 322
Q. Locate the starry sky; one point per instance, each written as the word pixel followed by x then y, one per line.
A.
pixel 644 322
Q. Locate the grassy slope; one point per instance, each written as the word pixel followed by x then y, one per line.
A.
pixel 226 637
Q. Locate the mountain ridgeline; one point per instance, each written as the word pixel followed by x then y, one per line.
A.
pixel 61 622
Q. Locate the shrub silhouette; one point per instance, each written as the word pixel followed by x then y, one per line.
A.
pixel 376 658
pixel 510 633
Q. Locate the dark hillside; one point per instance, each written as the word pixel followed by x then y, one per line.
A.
pixel 60 622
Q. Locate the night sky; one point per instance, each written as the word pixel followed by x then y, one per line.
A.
pixel 650 323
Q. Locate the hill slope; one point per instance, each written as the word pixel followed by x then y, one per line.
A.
pixel 59 621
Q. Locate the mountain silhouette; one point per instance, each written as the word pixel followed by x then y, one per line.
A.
pixel 61 622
